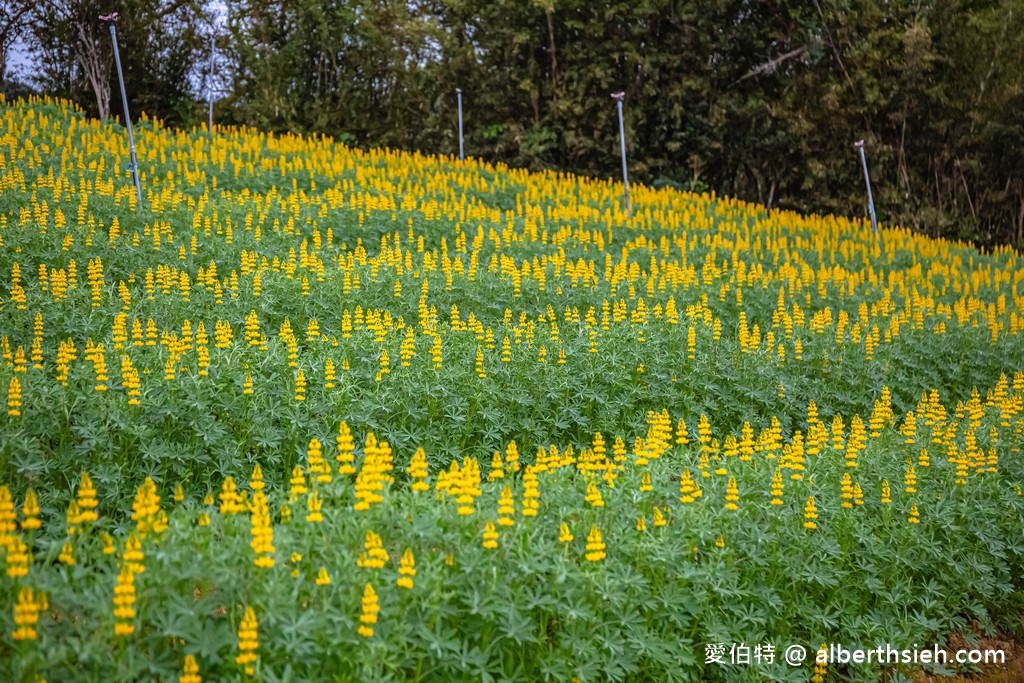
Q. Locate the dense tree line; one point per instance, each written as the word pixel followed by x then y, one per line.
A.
pixel 761 99
pixel 160 40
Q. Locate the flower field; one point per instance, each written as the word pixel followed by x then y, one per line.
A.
pixel 312 413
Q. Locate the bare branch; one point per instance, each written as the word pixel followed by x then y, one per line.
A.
pixel 772 64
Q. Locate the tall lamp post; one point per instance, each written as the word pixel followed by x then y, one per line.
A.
pixel 618 97
pixel 111 21
pixel 867 181
pixel 209 84
pixel 462 149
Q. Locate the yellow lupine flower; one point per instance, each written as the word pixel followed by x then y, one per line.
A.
pixel 810 514
pixel 18 557
pixel 67 555
pixel 406 570
pixel 490 538
pixel 370 610
pixel 190 671
pixel 595 545
pixel 86 500
pixel 248 642
pixel 124 603
pixel 313 505
pixel 322 577
pixel 14 397
pixel 732 495
pixel 26 613
pixel 914 517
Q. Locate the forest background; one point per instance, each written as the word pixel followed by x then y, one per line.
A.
pixel 756 99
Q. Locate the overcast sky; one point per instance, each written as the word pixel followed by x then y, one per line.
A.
pixel 19 61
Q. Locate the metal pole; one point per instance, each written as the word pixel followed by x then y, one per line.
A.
pixel 462 149
pixel 618 96
pixel 867 180
pixel 209 85
pixel 110 19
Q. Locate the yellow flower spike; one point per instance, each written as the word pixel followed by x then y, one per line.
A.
pixel 595 545
pixel 512 456
pixel 689 491
pixel 146 509
pixel 323 578
pixel 67 555
pixel 886 493
pixel 810 514
pixel 262 531
pixel 645 483
pixel 914 517
pixel 641 524
pixel 418 471
pixel 8 516
pixel 406 570
pixel 124 603
pixel 313 506
pixel 345 446
pixel 659 518
pixel 594 496
pixel 732 495
pixel 846 491
pixel 858 495
pixel 14 398
pixel 133 555
pixel 531 493
pixel 297 484
pixel 318 468
pixel 256 481
pixel 490 538
pixel 820 665
pixel 179 493
pixel 720 542
pixel 778 488
pixel 370 610
pixel 506 507
pixel 479 363
pixel 564 534
pixel 30 513
pixel 107 542
pixel 248 642
pixel 910 479
pixel 26 614
pixel 497 469
pixel 18 558
pixel 190 671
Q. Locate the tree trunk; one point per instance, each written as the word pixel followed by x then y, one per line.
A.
pixel 551 48
pixel 1020 224
pixel 96 66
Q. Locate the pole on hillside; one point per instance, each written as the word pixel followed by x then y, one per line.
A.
pixel 462 149
pixel 618 97
pixel 111 20
pixel 867 181
pixel 209 84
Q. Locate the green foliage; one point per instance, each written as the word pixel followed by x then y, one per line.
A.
pixel 756 100
pixel 309 218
